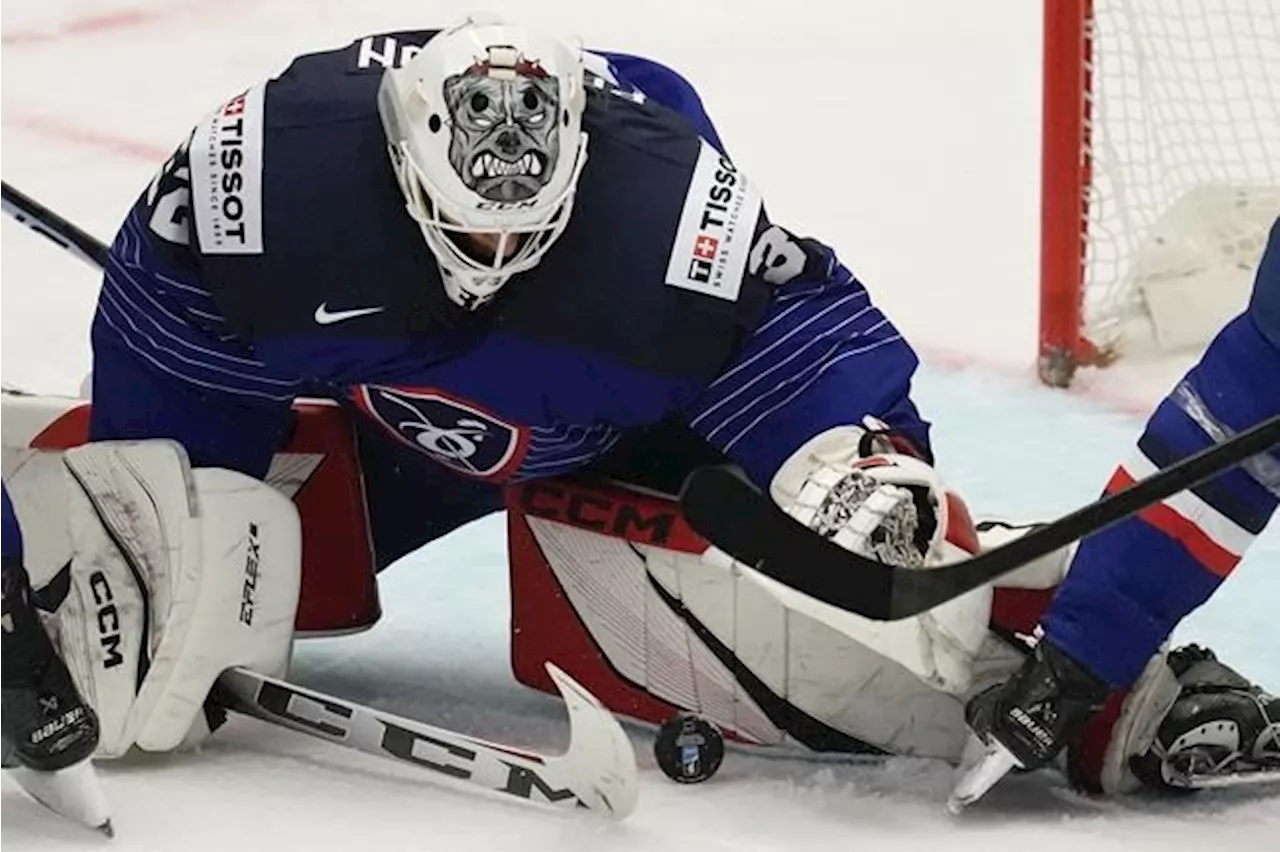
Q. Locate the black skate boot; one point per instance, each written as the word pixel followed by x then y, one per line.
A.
pixel 1221 731
pixel 49 733
pixel 1024 722
pixel 1039 710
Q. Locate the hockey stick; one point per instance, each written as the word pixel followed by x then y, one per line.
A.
pixel 597 772
pixel 50 225
pixel 730 512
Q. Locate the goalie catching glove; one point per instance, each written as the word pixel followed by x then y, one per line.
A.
pixel 854 486
pixel 156 578
pixel 857 487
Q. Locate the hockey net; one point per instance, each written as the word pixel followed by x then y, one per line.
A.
pixel 1161 173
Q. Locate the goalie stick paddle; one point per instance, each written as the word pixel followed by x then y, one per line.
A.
pixel 731 513
pixel 597 772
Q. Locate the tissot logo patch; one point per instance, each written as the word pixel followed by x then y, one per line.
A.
pixel 226 176
pixel 717 223
pixel 457 434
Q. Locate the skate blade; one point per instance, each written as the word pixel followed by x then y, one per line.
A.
pixel 982 765
pixel 73 793
pixel 1239 779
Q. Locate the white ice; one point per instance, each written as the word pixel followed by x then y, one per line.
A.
pixel 905 133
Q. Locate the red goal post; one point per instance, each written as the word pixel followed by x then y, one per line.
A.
pixel 1160 173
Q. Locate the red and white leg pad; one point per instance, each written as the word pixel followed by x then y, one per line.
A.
pixel 611 585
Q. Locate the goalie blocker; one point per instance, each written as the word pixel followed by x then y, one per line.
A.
pixel 155 578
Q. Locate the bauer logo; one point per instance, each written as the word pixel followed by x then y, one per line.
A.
pixel 226 176
pixel 457 434
pixel 717 223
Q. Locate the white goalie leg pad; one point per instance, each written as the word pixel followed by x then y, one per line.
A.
pixel 175 575
pixel 132 531
pixel 251 570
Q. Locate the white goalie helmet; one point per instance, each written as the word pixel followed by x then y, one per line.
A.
pixel 484 126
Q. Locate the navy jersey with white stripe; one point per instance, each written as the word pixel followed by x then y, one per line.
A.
pixel 272 257
pixel 1131 584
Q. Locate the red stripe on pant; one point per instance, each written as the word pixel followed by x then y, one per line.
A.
pixel 1213 556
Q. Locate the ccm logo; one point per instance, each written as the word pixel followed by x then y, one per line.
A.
pixel 599 512
pixel 107 618
pixel 451 759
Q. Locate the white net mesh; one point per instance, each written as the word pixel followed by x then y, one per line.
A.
pixel 1185 152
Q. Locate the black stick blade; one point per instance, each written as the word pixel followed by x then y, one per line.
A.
pixel 725 508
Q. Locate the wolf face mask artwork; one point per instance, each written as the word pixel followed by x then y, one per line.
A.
pixel 505 138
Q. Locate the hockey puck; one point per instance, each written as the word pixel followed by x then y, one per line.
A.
pixel 688 749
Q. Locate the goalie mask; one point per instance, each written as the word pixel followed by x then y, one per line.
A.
pixel 484 126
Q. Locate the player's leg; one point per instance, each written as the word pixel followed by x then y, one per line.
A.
pixel 1130 584
pixel 1264 304
pixel 155 577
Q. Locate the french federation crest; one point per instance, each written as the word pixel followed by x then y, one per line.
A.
pixel 456 434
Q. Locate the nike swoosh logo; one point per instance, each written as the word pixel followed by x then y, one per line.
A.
pixel 326 317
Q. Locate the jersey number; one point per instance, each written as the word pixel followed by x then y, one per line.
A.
pixel 775 257
pixel 169 197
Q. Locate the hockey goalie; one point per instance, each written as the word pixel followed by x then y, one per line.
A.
pixel 512 275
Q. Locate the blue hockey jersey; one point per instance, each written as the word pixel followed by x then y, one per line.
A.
pixel 1131 584
pixel 272 258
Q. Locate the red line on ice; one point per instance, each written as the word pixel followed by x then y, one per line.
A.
pixel 57 130
pixel 123 19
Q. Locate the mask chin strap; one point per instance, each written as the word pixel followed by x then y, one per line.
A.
pixel 474 295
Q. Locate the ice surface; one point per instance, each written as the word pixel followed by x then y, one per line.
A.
pixel 906 134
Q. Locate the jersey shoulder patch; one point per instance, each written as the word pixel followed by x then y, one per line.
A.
pixel 716 227
pixel 226 175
